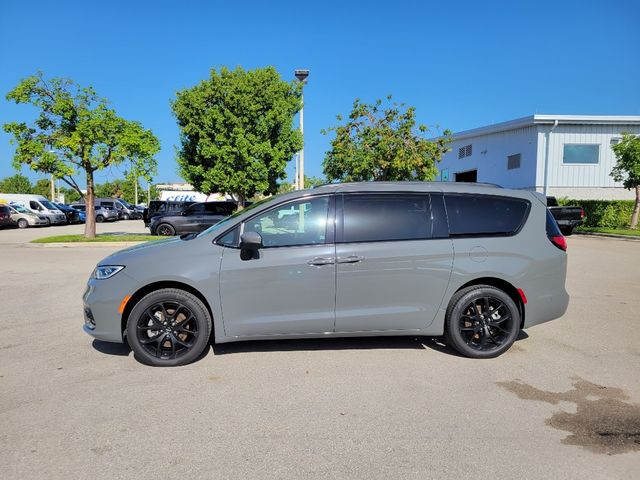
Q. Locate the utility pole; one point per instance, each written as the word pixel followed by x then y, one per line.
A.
pixel 135 189
pixel 301 75
pixel 53 189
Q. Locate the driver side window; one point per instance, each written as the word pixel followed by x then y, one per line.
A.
pixel 298 223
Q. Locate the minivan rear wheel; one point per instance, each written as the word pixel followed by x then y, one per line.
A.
pixel 169 327
pixel 482 322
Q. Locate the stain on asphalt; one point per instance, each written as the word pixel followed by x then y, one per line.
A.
pixel 603 421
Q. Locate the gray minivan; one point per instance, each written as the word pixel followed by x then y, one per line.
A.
pixel 471 262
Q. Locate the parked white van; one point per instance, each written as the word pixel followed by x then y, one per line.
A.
pixel 38 204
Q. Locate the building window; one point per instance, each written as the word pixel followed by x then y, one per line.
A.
pixel 581 153
pixel 513 161
pixel 465 151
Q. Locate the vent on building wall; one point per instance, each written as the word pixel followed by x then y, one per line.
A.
pixel 465 151
pixel 513 161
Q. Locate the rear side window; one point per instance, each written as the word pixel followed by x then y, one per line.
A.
pixel 482 215
pixel 377 218
pixel 552 226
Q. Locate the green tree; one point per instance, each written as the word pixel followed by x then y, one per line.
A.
pixel 627 169
pixel 236 130
pixel 310 182
pixel 75 132
pixel 70 195
pixel 383 142
pixel 42 187
pixel 15 184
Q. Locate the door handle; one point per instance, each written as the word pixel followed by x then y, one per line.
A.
pixel 319 261
pixel 350 259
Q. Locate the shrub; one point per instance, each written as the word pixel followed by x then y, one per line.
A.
pixel 603 213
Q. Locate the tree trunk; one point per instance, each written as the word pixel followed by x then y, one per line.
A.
pixel 636 209
pixel 241 199
pixel 90 224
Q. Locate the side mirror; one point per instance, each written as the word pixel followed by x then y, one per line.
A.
pixel 250 244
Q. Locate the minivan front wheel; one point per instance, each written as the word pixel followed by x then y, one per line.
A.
pixel 169 327
pixel 482 322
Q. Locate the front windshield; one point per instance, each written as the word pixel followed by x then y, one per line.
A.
pixel 223 222
pixel 21 209
pixel 47 204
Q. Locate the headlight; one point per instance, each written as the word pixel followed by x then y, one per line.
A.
pixel 103 272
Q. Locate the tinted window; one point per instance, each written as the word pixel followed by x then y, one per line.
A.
pixel 485 215
pixel 552 226
pixel 230 239
pixel 375 218
pixel 195 209
pixel 297 223
pixel 34 205
pixel 223 209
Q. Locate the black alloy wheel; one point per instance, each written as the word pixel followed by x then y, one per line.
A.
pixel 165 230
pixel 169 327
pixel 482 322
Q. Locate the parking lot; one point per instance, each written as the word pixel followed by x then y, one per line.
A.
pixel 564 402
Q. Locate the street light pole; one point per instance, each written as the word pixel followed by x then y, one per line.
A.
pixel 301 75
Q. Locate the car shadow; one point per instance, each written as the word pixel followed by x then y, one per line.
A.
pixel 355 343
pixel 309 345
pixel 117 349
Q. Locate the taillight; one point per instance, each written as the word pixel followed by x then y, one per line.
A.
pixel 581 213
pixel 559 241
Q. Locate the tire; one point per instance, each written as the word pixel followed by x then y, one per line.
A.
pixel 473 334
pixel 566 231
pixel 168 328
pixel 22 223
pixel 125 217
pixel 99 218
pixel 165 229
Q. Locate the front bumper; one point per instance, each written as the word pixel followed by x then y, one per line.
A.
pixel 101 301
pixel 57 219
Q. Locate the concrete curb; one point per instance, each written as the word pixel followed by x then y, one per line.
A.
pixel 629 238
pixel 81 244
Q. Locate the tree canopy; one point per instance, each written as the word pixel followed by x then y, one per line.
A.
pixel 75 132
pixel 15 184
pixel 627 169
pixel 383 142
pixel 236 131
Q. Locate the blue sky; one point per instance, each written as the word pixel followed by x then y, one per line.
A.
pixel 461 64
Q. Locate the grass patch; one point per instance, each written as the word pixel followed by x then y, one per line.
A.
pixel 99 238
pixel 614 231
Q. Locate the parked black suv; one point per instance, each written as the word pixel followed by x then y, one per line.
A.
pixel 162 207
pixel 193 219
pixel 5 216
pixel 71 213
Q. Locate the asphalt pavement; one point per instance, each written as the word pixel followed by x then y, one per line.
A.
pixel 564 402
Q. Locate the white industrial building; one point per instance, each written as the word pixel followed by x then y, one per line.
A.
pixel 560 155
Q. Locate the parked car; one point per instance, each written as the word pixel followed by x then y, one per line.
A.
pixel 117 204
pixel 161 207
pixel 567 217
pixel 135 211
pixel 37 203
pixel 24 217
pixel 471 262
pixel 71 213
pixel 5 216
pixel 193 219
pixel 102 214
